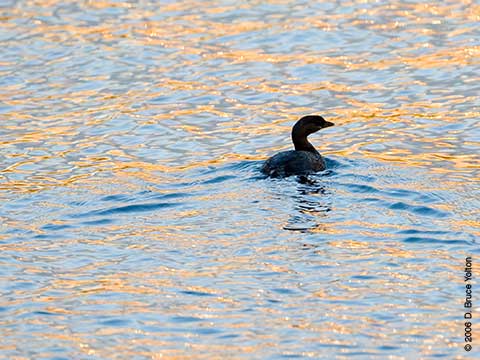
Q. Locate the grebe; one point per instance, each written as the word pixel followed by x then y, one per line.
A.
pixel 305 159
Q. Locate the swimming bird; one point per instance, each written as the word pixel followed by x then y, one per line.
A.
pixel 305 159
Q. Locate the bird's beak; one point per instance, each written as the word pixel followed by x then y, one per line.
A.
pixel 328 124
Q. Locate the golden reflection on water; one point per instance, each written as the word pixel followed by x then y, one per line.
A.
pixel 155 94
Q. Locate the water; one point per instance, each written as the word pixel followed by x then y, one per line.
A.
pixel 135 223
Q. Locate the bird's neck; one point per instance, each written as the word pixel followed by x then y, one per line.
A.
pixel 301 143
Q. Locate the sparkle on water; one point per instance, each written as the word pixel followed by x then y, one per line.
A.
pixel 135 223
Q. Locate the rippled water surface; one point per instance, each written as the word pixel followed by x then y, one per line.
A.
pixel 134 221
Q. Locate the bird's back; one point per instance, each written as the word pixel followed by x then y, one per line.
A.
pixel 293 162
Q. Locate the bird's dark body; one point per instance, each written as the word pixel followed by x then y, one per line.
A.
pixel 305 159
pixel 293 162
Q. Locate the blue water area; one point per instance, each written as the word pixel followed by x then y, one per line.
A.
pixel 135 222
